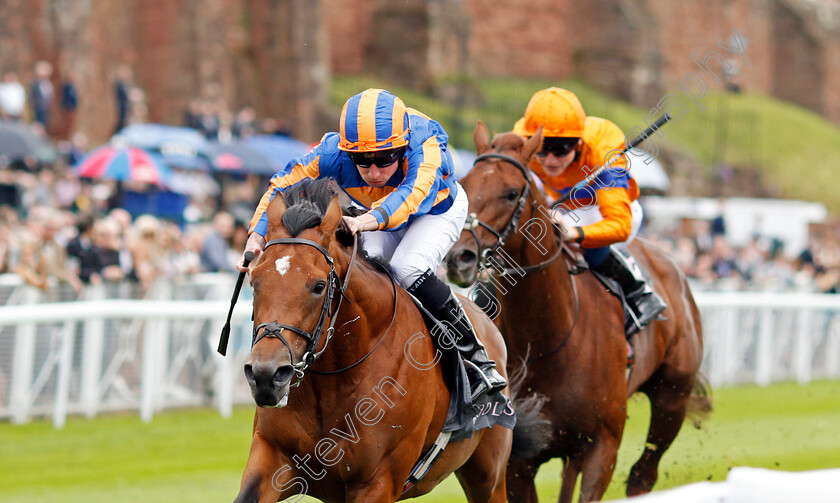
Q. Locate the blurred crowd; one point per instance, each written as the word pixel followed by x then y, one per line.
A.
pixel 52 247
pixel 53 244
pixel 712 263
pixel 57 229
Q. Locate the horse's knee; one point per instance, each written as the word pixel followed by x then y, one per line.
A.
pixel 520 481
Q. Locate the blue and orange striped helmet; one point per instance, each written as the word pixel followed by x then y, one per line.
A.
pixel 373 120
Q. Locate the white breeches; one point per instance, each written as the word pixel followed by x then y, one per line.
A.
pixel 422 244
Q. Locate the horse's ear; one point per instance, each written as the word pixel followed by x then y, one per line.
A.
pixel 481 137
pixel 331 219
pixel 532 144
pixel 274 214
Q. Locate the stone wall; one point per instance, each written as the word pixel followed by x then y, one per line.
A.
pixel 270 54
pixel 278 55
pixel 632 49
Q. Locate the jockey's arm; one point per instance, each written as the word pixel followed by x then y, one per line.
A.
pixel 425 174
pixel 255 244
pixel 259 223
pixel 362 223
pixel 614 204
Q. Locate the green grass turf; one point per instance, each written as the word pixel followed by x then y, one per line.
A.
pixel 196 456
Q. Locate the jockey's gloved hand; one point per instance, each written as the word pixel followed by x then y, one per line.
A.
pixel 255 244
pixel 365 222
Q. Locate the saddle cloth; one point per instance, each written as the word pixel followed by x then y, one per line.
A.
pixel 465 418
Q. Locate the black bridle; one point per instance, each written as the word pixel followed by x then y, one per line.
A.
pixel 335 285
pixel 486 254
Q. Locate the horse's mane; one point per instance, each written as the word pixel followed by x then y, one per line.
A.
pixel 306 205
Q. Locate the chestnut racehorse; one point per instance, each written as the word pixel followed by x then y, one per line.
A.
pixel 351 427
pixel 570 330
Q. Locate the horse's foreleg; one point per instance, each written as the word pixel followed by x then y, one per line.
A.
pixel 379 489
pixel 520 481
pixel 597 468
pixel 483 475
pixel 571 470
pixel 668 401
pixel 268 475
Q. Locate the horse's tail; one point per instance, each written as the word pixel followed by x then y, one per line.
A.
pixel 533 430
pixel 700 402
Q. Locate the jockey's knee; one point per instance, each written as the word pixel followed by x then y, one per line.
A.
pixel 406 272
pixel 596 256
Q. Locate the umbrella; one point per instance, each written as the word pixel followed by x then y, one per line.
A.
pixel 124 164
pixel 241 158
pixel 649 175
pixel 19 141
pixel 180 147
pixel 279 149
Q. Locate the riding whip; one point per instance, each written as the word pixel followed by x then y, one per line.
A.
pixel 633 143
pixel 223 340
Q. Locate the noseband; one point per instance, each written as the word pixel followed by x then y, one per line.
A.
pixel 486 254
pixel 313 339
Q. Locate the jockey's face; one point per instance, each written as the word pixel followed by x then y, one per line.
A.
pixel 554 163
pixel 377 167
pixel 378 176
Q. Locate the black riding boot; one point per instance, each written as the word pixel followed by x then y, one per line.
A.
pixel 645 304
pixel 436 296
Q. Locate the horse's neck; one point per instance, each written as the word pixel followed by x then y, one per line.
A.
pixel 362 321
pixel 533 251
pixel 536 293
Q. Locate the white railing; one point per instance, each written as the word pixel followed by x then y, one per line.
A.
pixel 762 338
pixel 103 354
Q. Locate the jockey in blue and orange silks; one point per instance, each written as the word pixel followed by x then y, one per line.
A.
pixel 394 161
pixel 605 213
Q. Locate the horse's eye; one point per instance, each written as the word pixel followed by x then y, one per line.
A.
pixel 319 287
pixel 512 195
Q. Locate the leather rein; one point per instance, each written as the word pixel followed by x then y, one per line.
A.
pixel 486 254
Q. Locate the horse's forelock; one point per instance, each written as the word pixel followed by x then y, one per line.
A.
pixel 507 141
pixel 306 204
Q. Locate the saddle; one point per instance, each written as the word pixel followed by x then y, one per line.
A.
pixel 463 417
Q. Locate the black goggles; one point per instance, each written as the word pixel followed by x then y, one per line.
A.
pixel 380 158
pixel 557 146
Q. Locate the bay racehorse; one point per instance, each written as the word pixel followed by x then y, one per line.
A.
pixel 569 329
pixel 343 370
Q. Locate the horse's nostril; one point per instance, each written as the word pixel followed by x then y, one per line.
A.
pixel 466 257
pixel 283 374
pixel 249 372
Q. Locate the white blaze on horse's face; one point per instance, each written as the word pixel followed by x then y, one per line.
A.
pixel 282 264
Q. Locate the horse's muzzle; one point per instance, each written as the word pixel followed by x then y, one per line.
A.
pixel 462 266
pixel 269 383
